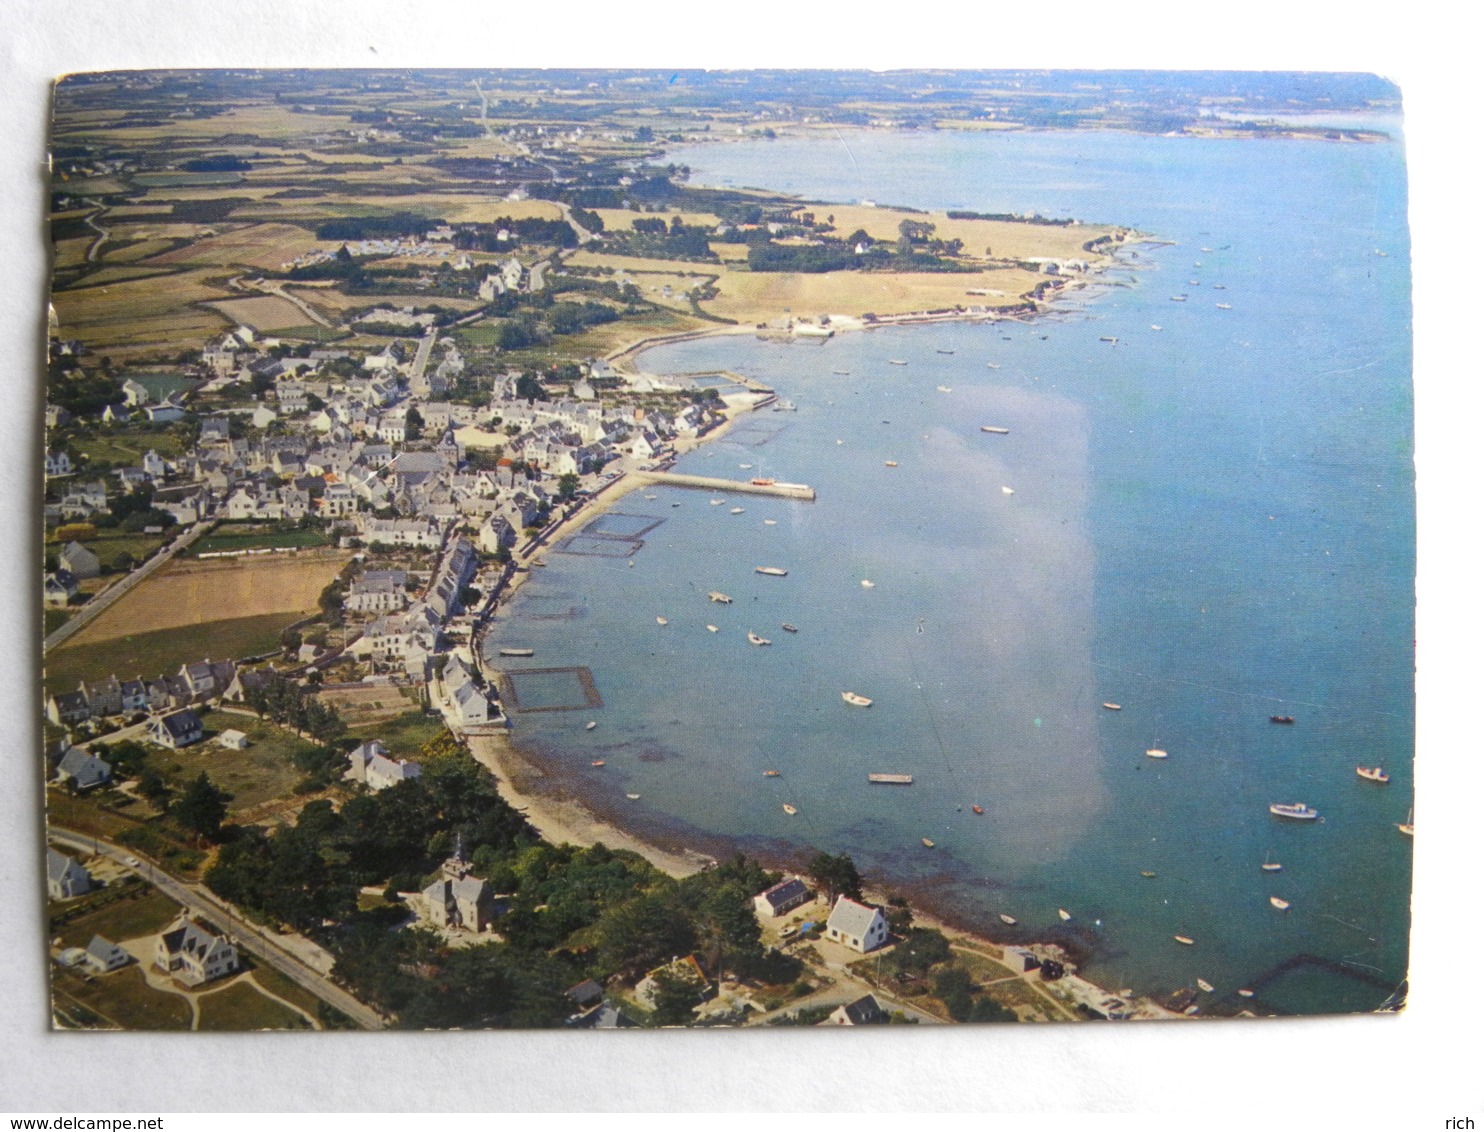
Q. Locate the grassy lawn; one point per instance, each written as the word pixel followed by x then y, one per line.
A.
pixel 85 816
pixel 54 619
pixel 123 999
pixel 126 446
pixel 123 919
pixel 164 650
pixel 108 545
pixel 403 735
pixel 261 773
pixel 233 537
pixel 241 1007
pixel 285 988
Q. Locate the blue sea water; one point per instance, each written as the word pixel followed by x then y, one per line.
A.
pixel 1210 523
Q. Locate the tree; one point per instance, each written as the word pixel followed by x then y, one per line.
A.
pixel 898 916
pixel 202 808
pixel 152 789
pixel 414 425
pixel 677 993
pixel 567 486
pixel 836 875
pixel 527 388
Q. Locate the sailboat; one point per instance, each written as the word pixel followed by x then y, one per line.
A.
pixel 1406 827
pixel 1270 866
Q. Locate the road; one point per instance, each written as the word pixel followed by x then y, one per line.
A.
pixel 420 359
pixel 97 605
pixel 247 935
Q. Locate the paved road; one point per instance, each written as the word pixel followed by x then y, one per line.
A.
pixel 103 233
pixel 93 608
pixel 247 935
pixel 424 352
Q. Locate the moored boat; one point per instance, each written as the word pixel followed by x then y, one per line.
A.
pixel 853 699
pixel 719 597
pixel 1007 490
pixel 866 583
pixel 1177 298
pixel 977 809
pixel 996 429
pixel 1011 920
pixel 592 723
pixel 1146 873
pixel 1064 914
pixel 599 762
pixel 1279 903
pixel 1287 719
pixel 897 361
pixel 891 463
pixel 1113 707
pixel 736 510
pixel 1223 306
pixel 787 628
pixel 1108 338
pixel 1205 986
pixel 771 773
pixel 517 652
pixel 663 620
pixel 1296 810
pixel 787 809
pixel 632 797
pixel 1373 774
pixel 1185 939
pixel 712 629
pixel 945 351
pixel 929 843
pixel 1405 828
pixel 1245 993
pixel 1156 753
pixel 757 640
pixel 771 571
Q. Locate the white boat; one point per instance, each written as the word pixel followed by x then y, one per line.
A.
pixel 771 571
pixel 1007 490
pixel 719 597
pixel 891 463
pixel 1193 282
pixel 1223 306
pixel 755 639
pixel 632 797
pixel 1207 251
pixel 736 510
pixel 1373 774
pixel 1154 327
pixel 1296 810
pixel 517 652
pixel 745 467
pixel 1271 866
pixel 787 809
pixel 1156 753
pixel 591 724
pixel 1011 920
pixel 711 629
pixel 1245 993
pixel 857 701
pixel 1279 903
pixel 1177 298
pixel 1405 828
pixel 663 620
pixel 1218 286
pixel 648 496
pixel 866 583
pixel 841 372
pixel 1108 338
pixel 1185 939
pixel 992 365
pixel 945 389
pixel 770 522
pixel 994 429
pixel 1064 914
pixel 1205 986
pixel 897 361
pixel 1113 706
pixel 884 779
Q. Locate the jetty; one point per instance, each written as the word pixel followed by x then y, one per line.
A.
pixel 746 487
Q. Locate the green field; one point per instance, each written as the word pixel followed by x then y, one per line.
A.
pixel 403 735
pixel 123 919
pixel 164 650
pixel 241 1007
pixel 126 447
pixel 275 982
pixel 225 537
pixel 124 1000
pixel 263 772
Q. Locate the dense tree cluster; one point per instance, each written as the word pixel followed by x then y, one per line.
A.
pixel 283 701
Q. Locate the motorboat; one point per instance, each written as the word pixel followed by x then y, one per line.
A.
pixel 719 597
pixel 712 629
pixel 590 725
pixel 928 843
pixel 771 773
pixel 866 583
pixel 1373 774
pixel 599 762
pixel 977 809
pixel 897 361
pixel 663 620
pixel 1146 873
pixel 1205 986
pixel 1156 753
pixel 737 510
pixel 1007 490
pixel 855 700
pixel 1011 920
pixel 1296 810
pixel 891 463
pixel 996 429
pixel 1223 306
pixel 1279 903
pixel 787 628
pixel 1284 719
pixel 1064 914
pixel 787 809
pixel 1113 707
pixel 1185 939
pixel 755 639
pixel 1245 993
pixel 771 571
pixel 632 797
pixel 770 522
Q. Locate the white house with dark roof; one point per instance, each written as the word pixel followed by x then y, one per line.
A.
pixel 104 956
pixel 858 926
pixel 83 769
pixel 65 878
pixel 782 898
pixel 862 1012
pixel 175 729
pixel 192 955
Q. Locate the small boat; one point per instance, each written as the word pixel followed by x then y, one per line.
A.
pixel 1218 286
pixel 1185 939
pixel 1114 707
pixel 866 583
pixel 1146 873
pixel 1207 251
pixel 663 620
pixel 889 779
pixel 1245 993
pixel 1177 298
pixel 590 725
pixel 647 495
pixel 928 843
pixel 711 629
pixel 945 389
pixel 787 628
pixel 854 700
pixel 632 797
pixel 771 571
pixel 993 365
pixel 1108 338
pixel 755 639
pixel 996 429
pixel 787 809
pixel 1007 490
pixel 1064 914
pixel 771 773
pixel 891 463
pixel 631 563
pixel 736 510
pixel 1011 920
pixel 717 502
pixel 1373 774
pixel 599 762
pixel 977 809
pixel 517 652
pixel 841 372
pixel 896 361
pixel 1279 903
pixel 1191 1010
pixel 1205 986
pixel 1153 327
pixel 1296 810
pixel 1381 253
pixel 760 481
pixel 719 597
pixel 1405 828
pixel 1193 282
pixel 1287 719
pixel 1156 753
pixel 1271 866
pixel 745 467
pixel 1223 306
pixel 945 351
pixel 770 522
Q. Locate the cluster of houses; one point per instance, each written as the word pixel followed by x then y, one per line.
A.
pixel 195 684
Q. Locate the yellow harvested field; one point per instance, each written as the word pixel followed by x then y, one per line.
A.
pixel 197 592
pixel 157 311
pixel 263 313
pixel 330 302
pixel 732 253
pixel 636 264
pixel 751 298
pixel 71 253
pixel 258 245
pixel 1004 239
